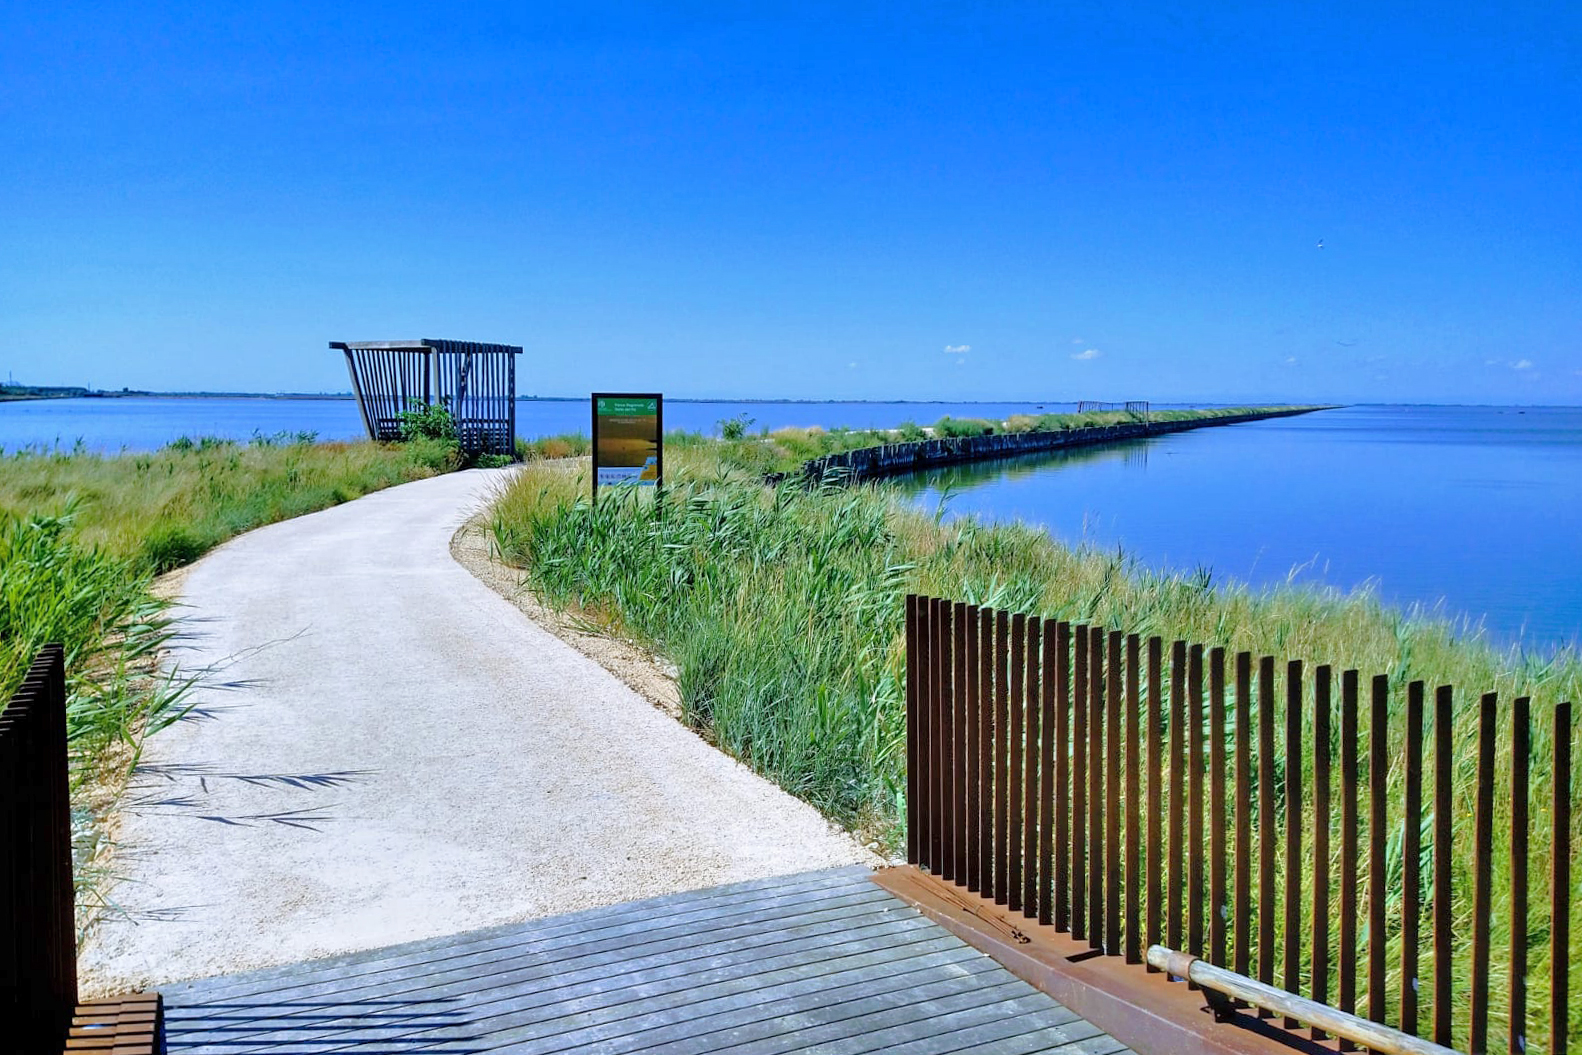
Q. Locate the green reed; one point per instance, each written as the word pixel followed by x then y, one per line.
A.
pixel 782 611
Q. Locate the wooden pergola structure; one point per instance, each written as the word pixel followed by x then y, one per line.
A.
pixel 475 381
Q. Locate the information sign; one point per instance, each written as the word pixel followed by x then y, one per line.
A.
pixel 628 439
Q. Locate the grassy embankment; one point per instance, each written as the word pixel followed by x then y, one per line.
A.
pixel 784 450
pixel 82 537
pixel 782 611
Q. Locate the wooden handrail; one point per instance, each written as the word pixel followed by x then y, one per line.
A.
pixel 1216 980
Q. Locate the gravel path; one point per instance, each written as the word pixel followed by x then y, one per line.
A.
pixel 389 751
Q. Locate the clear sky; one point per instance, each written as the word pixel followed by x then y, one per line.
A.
pixel 1053 201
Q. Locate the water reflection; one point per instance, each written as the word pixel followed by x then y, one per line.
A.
pixel 1474 510
pixel 969 476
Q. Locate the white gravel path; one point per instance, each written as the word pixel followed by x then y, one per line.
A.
pixel 391 751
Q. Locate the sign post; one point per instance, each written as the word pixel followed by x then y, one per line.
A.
pixel 628 439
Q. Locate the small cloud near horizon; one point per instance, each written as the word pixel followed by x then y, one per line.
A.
pixel 1087 356
pixel 957 349
pixel 1522 364
pixel 1290 360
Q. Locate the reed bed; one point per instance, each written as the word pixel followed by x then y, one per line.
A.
pixel 782 610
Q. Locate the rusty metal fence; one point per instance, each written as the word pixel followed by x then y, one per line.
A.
pixel 1265 817
pixel 38 948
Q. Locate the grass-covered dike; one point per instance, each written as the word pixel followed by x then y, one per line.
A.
pixel 782 611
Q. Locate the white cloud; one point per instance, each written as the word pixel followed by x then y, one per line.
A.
pixel 1091 353
pixel 1522 364
pixel 1078 340
pixel 1290 360
pixel 957 349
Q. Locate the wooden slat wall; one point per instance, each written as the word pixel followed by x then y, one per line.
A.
pixel 1089 791
pixel 476 381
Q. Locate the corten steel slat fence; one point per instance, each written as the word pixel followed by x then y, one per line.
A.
pixel 1078 775
pixel 38 950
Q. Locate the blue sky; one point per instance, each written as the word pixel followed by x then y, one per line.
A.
pixel 959 201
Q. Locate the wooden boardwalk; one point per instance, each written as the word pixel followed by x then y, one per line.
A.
pixel 822 961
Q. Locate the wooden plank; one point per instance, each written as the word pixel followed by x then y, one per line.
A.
pixel 986 711
pixel 1516 979
pixel 938 734
pixel 765 1011
pixel 980 1029
pixel 1096 638
pixel 890 1026
pixel 1347 921
pixel 1002 724
pixel 1015 792
pixel 961 662
pixel 1178 792
pixel 1079 784
pixel 1292 760
pixel 1113 702
pixel 1411 857
pixel 1560 881
pixel 945 734
pixel 1266 821
pixel 1218 901
pixel 1029 807
pixel 1195 770
pixel 926 611
pixel 1155 735
pixel 1378 773
pixel 1482 876
pixel 913 659
pixel 972 721
pixel 589 1013
pixel 1243 907
pixel 1321 862
pixel 1444 810
pixel 873 1025
pixel 1133 922
pixel 1054 673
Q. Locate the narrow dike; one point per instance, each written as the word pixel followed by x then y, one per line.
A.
pixel 895 459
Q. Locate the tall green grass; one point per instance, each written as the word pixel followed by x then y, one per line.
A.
pixel 168 507
pixel 782 611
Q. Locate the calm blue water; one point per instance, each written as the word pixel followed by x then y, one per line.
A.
pixel 1477 509
pixel 145 423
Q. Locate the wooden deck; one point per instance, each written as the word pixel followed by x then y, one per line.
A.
pixel 822 961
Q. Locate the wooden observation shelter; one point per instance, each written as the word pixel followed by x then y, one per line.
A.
pixel 476 382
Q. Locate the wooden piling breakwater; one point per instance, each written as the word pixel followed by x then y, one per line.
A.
pixel 894 459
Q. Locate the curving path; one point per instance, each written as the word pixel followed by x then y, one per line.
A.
pixel 387 751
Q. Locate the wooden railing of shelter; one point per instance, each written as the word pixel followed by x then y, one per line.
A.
pixel 38 937
pixel 1264 817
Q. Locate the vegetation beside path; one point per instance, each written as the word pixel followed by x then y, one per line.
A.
pixel 782 611
pixel 82 537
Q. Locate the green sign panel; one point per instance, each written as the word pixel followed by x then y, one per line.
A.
pixel 628 431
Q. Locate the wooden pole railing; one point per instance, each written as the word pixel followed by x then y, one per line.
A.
pixel 1078 775
pixel 38 948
